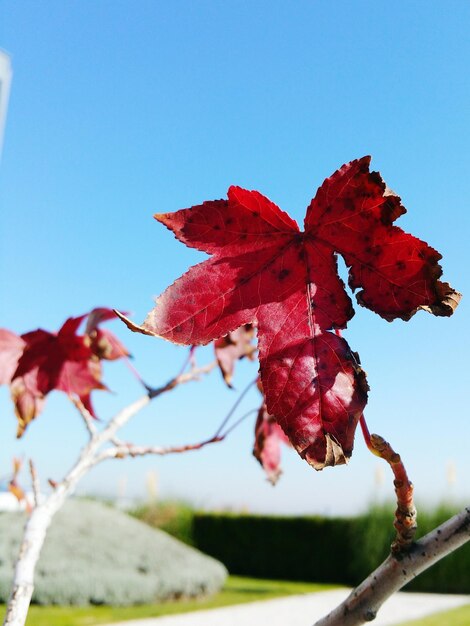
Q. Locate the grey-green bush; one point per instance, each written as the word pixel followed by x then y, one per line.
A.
pixel 94 554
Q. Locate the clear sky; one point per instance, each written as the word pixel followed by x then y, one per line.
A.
pixel 120 109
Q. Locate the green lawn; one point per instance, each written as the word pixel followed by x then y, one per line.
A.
pixel 456 617
pixel 236 591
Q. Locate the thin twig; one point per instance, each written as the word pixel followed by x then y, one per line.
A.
pixel 87 417
pixel 128 363
pixel 364 602
pixel 188 360
pixel 181 379
pixel 235 406
pixel 35 483
pixel 122 450
pixel 131 450
pixel 238 422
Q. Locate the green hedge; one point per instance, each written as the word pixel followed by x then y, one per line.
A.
pixel 331 550
pixel 288 548
pixel 172 516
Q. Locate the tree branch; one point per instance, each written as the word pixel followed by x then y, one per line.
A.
pixel 86 415
pixel 90 455
pixel 35 483
pixel 180 379
pixel 130 450
pixel 363 603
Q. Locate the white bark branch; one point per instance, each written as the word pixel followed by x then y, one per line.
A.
pixel 86 415
pixel 41 517
pixel 363 603
pixel 33 540
pixel 35 482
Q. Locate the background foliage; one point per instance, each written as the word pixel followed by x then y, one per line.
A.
pixel 337 550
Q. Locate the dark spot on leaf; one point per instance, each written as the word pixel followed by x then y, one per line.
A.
pixel 216 227
pixel 229 221
pixel 255 214
pixel 349 204
pixel 283 274
pixel 400 265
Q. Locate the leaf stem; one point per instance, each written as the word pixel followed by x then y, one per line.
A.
pixel 366 433
pixel 235 406
pixel 238 422
pixel 134 371
pixel 188 359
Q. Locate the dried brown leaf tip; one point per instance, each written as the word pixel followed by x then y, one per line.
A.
pixel 13 485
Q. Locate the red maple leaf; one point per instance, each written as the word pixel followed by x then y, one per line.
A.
pixel 263 269
pixel 40 361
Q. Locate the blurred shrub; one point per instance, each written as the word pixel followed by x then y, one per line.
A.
pixel 289 548
pixel 331 550
pixel 96 554
pixel 173 517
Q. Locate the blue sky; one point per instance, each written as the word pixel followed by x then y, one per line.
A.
pixel 121 109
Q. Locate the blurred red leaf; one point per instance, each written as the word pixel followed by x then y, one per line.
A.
pixel 11 348
pixel 268 439
pixel 233 347
pixel 264 270
pixel 104 343
pixel 64 360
